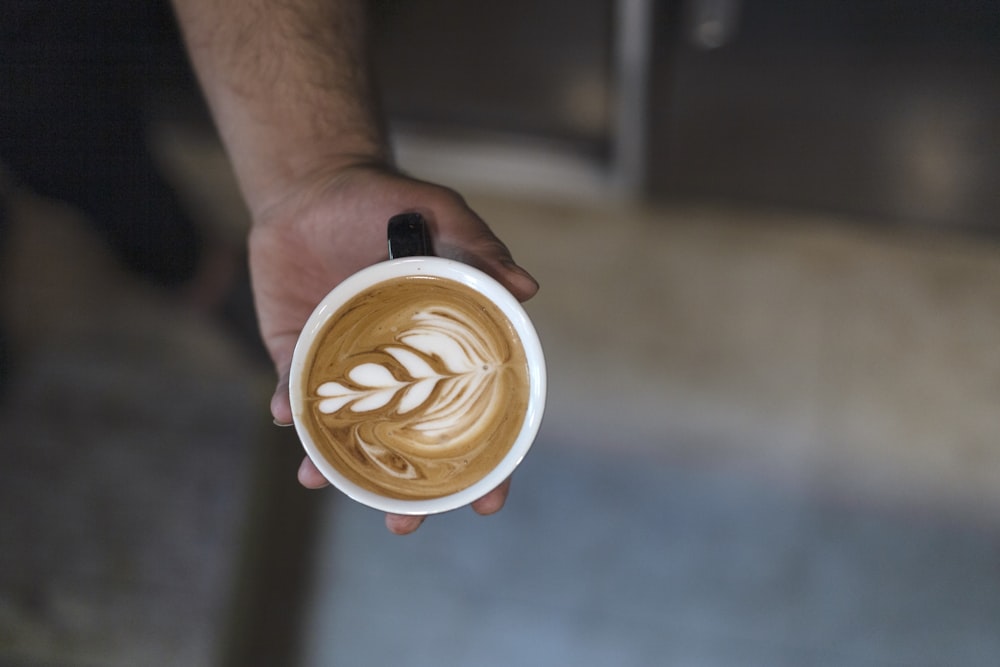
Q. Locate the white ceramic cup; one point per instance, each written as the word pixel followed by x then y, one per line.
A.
pixel 466 275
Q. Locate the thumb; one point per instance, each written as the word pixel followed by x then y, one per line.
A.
pixel 489 254
pixel 516 279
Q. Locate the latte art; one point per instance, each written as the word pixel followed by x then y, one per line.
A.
pixel 437 338
pixel 418 387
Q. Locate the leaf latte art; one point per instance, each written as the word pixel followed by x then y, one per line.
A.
pixel 416 388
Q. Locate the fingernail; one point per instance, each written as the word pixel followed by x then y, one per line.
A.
pixel 281 424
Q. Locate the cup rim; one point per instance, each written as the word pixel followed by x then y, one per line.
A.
pixel 443 268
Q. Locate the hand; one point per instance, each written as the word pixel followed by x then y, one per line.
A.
pixel 330 227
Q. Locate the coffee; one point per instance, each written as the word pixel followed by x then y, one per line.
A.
pixel 416 387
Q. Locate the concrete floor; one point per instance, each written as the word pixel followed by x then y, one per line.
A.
pixel 771 439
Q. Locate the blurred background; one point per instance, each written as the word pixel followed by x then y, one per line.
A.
pixel 768 238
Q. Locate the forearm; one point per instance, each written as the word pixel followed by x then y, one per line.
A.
pixel 288 86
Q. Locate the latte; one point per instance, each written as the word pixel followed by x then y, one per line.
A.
pixel 415 388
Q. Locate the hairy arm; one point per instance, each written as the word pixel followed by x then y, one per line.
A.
pixel 288 84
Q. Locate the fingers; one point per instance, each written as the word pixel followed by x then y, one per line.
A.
pixel 401 524
pixel 493 501
pixel 488 253
pixel 280 348
pixel 310 476
pixel 520 283
pixel 462 235
pixel 281 403
pixel 499 264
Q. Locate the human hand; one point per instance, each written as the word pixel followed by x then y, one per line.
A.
pixel 307 241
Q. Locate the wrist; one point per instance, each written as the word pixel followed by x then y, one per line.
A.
pixel 288 195
pixel 270 182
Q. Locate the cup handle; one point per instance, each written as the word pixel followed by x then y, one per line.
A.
pixel 408 236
